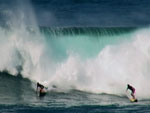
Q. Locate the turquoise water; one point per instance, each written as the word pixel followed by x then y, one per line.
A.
pixel 87 42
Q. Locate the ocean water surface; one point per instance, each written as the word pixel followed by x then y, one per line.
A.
pixel 86 67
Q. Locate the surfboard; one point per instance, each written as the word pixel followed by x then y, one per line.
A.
pixel 128 93
pixel 133 100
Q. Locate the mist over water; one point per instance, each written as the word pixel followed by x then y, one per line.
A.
pixel 20 36
pixel 97 64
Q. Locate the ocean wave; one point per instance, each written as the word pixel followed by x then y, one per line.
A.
pixel 97 60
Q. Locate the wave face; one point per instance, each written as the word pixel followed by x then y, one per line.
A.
pixel 98 60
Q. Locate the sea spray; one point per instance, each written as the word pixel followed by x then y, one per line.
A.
pixel 107 72
pixel 21 42
pixel 111 70
pixel 89 63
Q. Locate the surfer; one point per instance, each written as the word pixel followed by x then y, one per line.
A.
pixel 132 90
pixel 41 89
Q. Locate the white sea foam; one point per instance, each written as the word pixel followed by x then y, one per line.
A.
pixel 111 70
pixel 108 72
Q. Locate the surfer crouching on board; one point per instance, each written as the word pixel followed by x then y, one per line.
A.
pixel 132 90
pixel 41 89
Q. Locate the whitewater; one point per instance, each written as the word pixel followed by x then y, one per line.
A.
pixel 90 67
pixel 98 64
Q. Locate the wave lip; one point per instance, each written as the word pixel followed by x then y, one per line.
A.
pixel 97 31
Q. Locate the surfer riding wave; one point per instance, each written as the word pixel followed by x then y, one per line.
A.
pixel 41 89
pixel 132 90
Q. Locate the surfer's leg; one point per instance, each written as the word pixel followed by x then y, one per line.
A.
pixel 132 94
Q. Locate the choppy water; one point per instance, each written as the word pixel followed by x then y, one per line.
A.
pixel 18 96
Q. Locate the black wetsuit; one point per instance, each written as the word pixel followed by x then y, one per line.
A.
pixel 41 88
pixel 40 85
pixel 132 89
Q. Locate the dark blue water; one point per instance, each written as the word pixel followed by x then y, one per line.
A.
pixel 76 109
pixel 85 13
pixel 18 96
pixel 100 13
